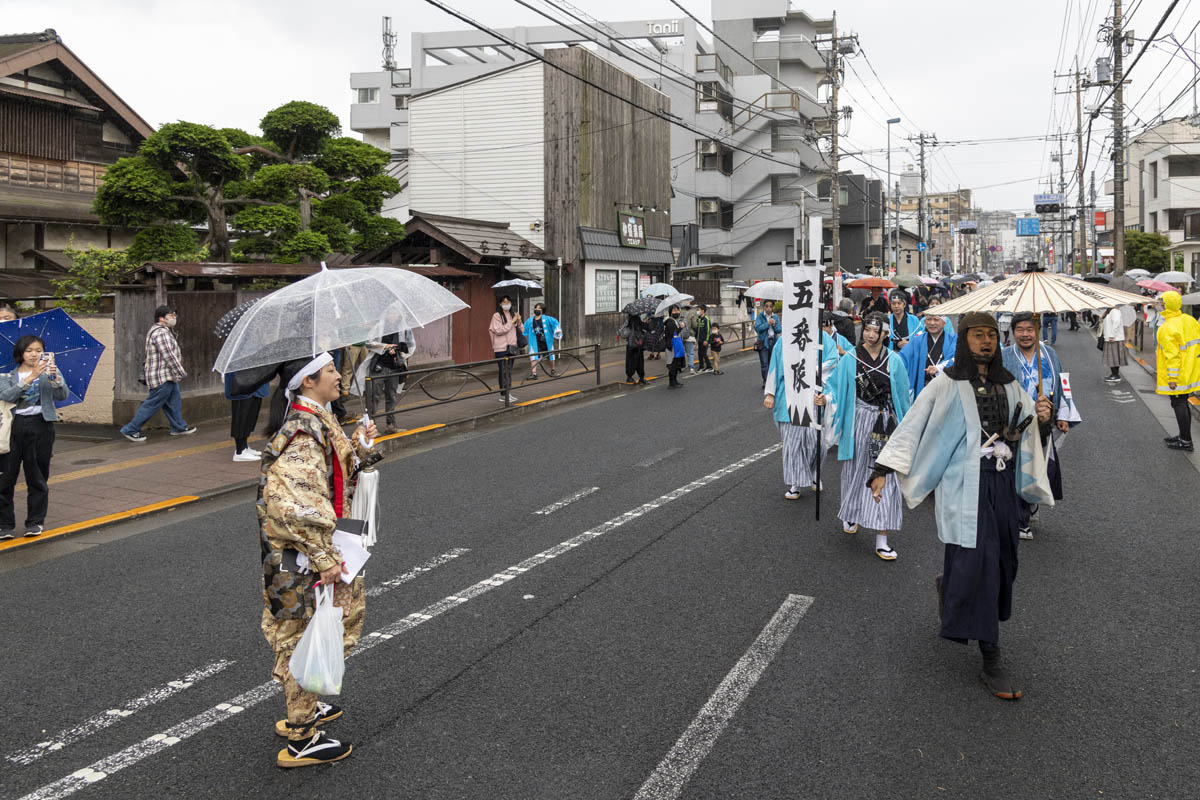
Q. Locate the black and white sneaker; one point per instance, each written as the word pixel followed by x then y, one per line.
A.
pixel 326 712
pixel 319 749
pixel 185 432
pixel 134 437
pixel 33 530
pixel 7 533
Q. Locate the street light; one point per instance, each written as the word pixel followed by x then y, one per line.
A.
pixel 895 259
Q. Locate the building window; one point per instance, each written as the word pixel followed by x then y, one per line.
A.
pixel 606 291
pixel 401 102
pixel 1153 180
pixel 714 213
pixel 712 156
pixel 711 97
pixel 629 287
pixel 843 196
pixel 1153 220
pixel 368 96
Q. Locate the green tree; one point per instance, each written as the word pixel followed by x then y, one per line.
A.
pixel 298 191
pixel 1146 251
pixel 92 269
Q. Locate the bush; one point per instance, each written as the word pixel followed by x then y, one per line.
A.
pixel 92 270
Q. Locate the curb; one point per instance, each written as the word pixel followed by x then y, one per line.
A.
pixel 389 444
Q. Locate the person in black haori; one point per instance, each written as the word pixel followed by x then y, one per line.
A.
pixel 969 436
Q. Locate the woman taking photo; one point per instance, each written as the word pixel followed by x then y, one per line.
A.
pixel 503 331
pixel 33 385
pixel 306 486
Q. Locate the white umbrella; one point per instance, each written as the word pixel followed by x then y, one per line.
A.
pixel 766 290
pixel 332 309
pixel 520 283
pixel 1173 277
pixel 1191 299
pixel 737 285
pixel 659 290
pixel 1138 274
pixel 679 298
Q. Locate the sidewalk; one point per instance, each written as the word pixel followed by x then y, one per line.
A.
pixel 98 477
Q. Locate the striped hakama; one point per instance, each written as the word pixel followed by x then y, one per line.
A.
pixel 858 506
pixel 799 450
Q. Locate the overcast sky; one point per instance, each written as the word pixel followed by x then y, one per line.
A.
pixel 959 70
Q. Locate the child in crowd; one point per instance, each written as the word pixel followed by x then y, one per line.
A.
pixel 715 340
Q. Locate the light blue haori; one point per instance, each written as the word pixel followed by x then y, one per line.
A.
pixel 840 390
pixel 915 355
pixel 1023 370
pixel 935 448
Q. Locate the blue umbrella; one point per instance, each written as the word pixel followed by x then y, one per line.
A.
pixel 75 350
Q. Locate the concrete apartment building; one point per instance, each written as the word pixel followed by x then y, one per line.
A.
pixel 749 209
pixel 943 212
pixel 860 220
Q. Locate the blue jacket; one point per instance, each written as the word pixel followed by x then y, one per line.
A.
pixel 915 352
pixel 767 334
pixel 914 326
pixel 261 392
pixel 841 389
pixel 550 328
pixel 1051 385
pixel 48 392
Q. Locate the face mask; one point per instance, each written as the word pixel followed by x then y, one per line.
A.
pixel 537 312
pixel 170 321
pixel 505 306
pixel 674 315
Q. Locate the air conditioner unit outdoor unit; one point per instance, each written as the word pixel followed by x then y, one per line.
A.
pixel 709 207
pixel 709 148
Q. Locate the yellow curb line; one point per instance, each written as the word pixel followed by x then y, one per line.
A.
pixel 391 436
pixel 91 523
pixel 551 397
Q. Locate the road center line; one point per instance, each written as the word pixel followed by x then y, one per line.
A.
pixel 415 572
pixel 136 753
pixel 114 715
pixel 677 768
pixel 566 501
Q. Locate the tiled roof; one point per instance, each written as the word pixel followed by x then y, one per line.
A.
pixel 604 245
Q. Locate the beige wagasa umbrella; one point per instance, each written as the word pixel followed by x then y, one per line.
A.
pixel 1040 293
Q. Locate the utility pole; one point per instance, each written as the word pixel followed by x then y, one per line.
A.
pixel 1062 209
pixel 835 193
pixel 1095 239
pixel 1118 42
pixel 923 139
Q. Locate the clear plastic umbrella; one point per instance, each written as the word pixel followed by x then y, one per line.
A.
pixel 1174 276
pixel 659 290
pixel 679 298
pixel 766 290
pixel 332 309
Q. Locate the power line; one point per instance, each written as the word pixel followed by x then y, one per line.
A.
pixel 1119 79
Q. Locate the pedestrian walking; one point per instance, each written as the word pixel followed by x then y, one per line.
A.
pixel 503 330
pixel 300 499
pixel 1177 358
pixel 715 342
pixel 930 351
pixel 873 303
pixel 767 327
pixel 352 359
pixel 870 395
pixel 1113 338
pixel 702 325
pixel 1019 360
pixel 32 387
pixel 387 368
pixel 902 325
pixel 634 334
pixel 674 327
pixel 1050 328
pixel 968 438
pixel 163 370
pixel 544 335
pixel 243 416
pixel 799 443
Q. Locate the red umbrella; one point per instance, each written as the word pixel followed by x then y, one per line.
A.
pixel 871 283
pixel 1156 286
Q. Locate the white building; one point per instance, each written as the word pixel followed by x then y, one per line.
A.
pixel 749 209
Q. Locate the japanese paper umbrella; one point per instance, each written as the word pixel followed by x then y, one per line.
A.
pixel 871 283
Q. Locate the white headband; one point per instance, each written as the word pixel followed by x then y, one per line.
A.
pixel 311 368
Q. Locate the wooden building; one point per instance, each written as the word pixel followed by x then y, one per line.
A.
pixel 60 127
pixel 580 172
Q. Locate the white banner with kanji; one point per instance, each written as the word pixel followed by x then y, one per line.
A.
pixel 801 341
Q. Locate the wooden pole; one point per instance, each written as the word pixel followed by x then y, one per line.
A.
pixel 1037 364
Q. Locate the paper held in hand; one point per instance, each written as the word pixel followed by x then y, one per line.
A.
pixel 348 538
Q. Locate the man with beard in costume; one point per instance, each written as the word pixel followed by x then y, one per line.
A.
pixel 970 440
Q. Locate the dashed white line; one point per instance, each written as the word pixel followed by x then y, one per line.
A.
pixel 114 715
pixel 101 769
pixel 677 768
pixel 650 462
pixel 566 501
pixel 415 572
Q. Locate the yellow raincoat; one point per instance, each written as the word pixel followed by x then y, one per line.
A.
pixel 1178 354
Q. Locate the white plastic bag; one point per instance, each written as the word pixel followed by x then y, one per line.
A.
pixel 317 663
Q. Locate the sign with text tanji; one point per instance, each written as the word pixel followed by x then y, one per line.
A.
pixel 801 341
pixel 632 229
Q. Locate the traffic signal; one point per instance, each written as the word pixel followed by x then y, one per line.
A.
pixel 1048 208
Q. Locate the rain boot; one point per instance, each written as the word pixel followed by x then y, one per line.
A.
pixel 993 674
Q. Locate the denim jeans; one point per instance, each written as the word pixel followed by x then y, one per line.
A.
pixel 166 397
pixel 689 347
pixel 1050 328
pixel 764 359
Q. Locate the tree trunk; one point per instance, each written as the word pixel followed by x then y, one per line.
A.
pixel 220 248
pixel 306 209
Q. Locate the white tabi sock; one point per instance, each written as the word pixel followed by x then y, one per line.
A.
pixel 881 541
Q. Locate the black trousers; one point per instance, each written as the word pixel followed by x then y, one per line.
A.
pixel 705 362
pixel 635 363
pixel 243 417
pixel 673 370
pixel 1183 415
pixel 505 371
pixel 30 445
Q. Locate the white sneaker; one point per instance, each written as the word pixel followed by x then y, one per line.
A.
pixel 247 455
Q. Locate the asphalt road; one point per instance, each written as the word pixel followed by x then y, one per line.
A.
pixel 536 670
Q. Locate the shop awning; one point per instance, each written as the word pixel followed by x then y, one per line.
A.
pixel 604 245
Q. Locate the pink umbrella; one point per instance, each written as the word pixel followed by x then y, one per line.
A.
pixel 928 281
pixel 1156 286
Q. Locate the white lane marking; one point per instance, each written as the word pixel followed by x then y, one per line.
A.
pixel 677 768
pixel 728 426
pixel 650 462
pixel 416 572
pixel 114 715
pixel 190 727
pixel 566 501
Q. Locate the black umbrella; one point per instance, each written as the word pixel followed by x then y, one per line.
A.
pixel 1097 277
pixel 230 318
pixel 643 305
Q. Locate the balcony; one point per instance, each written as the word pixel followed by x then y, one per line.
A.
pixel 709 65
pixel 775 103
pixel 794 48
